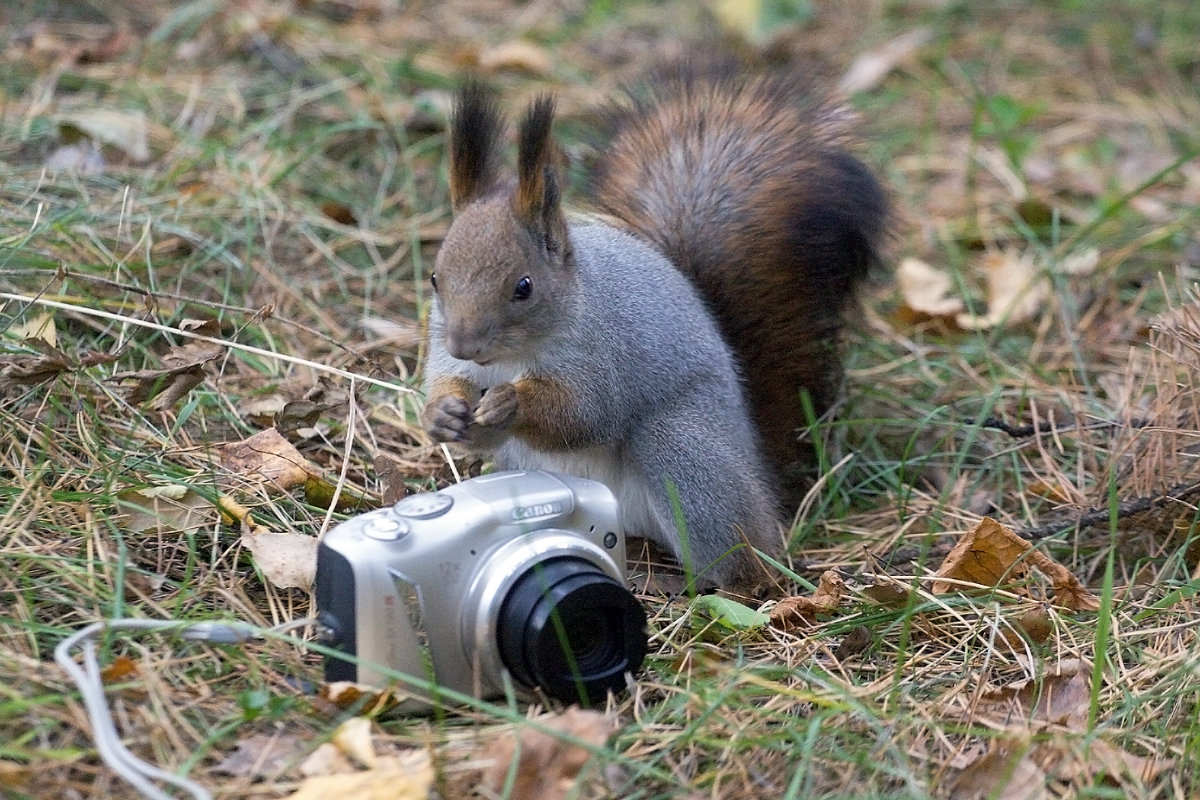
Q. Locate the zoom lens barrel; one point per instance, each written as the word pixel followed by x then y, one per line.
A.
pixel 571 629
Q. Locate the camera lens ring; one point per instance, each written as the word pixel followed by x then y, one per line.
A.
pixel 571 629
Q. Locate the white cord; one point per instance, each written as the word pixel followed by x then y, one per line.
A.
pixel 91 688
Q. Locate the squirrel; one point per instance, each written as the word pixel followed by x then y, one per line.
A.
pixel 659 344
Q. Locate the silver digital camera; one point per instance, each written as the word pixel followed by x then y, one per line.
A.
pixel 513 579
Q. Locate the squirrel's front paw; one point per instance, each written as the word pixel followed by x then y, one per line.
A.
pixel 447 418
pixel 498 407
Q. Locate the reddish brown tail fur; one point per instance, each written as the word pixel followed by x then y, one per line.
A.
pixel 747 185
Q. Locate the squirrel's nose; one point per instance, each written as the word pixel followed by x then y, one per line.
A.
pixel 463 344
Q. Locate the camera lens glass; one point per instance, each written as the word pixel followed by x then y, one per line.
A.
pixel 571 629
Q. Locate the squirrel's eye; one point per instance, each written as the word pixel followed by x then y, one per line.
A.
pixel 524 289
pixel 433 280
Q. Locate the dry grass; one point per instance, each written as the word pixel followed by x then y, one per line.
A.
pixel 294 191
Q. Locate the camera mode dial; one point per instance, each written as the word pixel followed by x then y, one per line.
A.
pixel 424 506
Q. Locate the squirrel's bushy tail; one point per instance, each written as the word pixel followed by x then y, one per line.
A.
pixel 747 183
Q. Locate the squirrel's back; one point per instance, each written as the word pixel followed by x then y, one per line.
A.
pixel 747 184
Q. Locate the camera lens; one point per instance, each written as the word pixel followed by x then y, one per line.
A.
pixel 571 629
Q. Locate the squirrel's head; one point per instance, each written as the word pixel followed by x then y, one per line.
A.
pixel 505 267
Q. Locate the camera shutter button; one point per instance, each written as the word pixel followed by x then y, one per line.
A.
pixel 385 528
pixel 424 506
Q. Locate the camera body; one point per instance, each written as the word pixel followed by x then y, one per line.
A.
pixel 514 579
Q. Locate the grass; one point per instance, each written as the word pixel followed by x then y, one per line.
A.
pixel 295 194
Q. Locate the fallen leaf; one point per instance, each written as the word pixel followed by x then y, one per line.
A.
pixel 1068 591
pixel 353 737
pixel 327 759
pixel 729 614
pixel 1117 762
pixel 261 755
pixel 1049 491
pixel 546 766
pixel 889 594
pixel 287 560
pixel 405 777
pixel 81 158
pixel 181 372
pixel 856 641
pixel 165 509
pixel 267 457
pixel 1016 292
pixel 516 55
pixel 927 290
pixel 869 69
pixel 798 613
pixel 28 369
pixel 1005 772
pixel 120 668
pixel 1059 697
pixel 39 327
pixel 125 130
pixel 988 555
pixel 363 698
pixel 339 212
pixel 15 777
pixel 1033 625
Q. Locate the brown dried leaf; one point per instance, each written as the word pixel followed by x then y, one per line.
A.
pixel 268 457
pixel 1060 697
pixel 1068 591
pixel 15 777
pixel 1005 772
pixel 990 553
pixel 120 668
pixel 856 641
pixel 891 595
pixel 21 369
pixel 987 555
pixel 798 613
pixel 1114 761
pixel 181 372
pixel 369 700
pixel 546 767
pixel 261 755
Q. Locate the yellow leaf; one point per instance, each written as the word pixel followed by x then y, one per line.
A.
pixel 405 777
pixel 926 289
pixel 353 737
pixel 287 560
pixel 125 130
pixel 35 326
pixel 516 55
pixel 1016 292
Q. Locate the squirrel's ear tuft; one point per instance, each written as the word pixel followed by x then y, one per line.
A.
pixel 475 130
pixel 538 201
